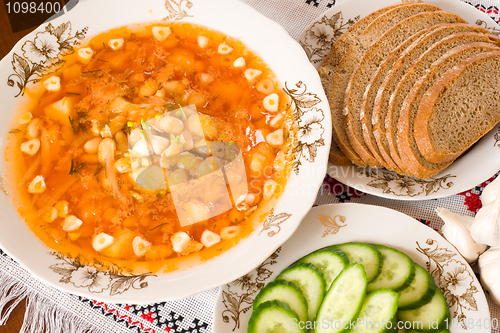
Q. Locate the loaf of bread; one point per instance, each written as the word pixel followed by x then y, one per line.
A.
pixel 397 87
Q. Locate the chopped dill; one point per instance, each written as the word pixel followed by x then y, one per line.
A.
pixel 93 71
pixel 144 61
pixel 99 169
pixel 222 79
pixel 170 107
pixel 78 124
pixel 15 130
pixel 76 167
pixel 159 225
pixel 101 60
pixel 73 93
pixel 216 97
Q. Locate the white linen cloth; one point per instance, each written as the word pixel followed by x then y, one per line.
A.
pixel 50 310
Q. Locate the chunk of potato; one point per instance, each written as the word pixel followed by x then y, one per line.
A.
pixel 61 111
pixel 122 247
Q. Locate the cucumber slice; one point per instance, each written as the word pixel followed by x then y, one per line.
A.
pixel 431 317
pixel 419 292
pixel 378 312
pixel 343 301
pixel 366 255
pixel 274 316
pixel 286 292
pixel 329 260
pixel 311 282
pixel 398 270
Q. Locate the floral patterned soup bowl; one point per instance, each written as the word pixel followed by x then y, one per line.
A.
pixel 42 51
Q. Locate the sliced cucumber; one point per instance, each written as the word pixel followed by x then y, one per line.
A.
pixel 329 260
pixel 377 312
pixel 311 282
pixel 274 316
pixel 398 270
pixel 286 292
pixel 431 317
pixel 419 292
pixel 343 301
pixel 366 255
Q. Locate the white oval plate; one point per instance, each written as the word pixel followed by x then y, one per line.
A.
pixel 334 224
pixel 234 18
pixel 468 171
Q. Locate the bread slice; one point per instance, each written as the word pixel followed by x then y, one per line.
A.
pixel 342 44
pixel 424 78
pixel 336 155
pixel 385 80
pixel 345 68
pixel 466 94
pixel 390 108
pixel 370 62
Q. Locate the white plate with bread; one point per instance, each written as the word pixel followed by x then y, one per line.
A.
pixel 413 91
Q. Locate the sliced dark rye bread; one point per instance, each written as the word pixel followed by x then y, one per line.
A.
pixel 385 22
pixel 346 67
pixel 370 94
pixel 385 80
pixel 330 62
pixel 342 44
pixel 370 60
pixel 415 163
pixel 403 86
pixel 459 109
pixel 390 99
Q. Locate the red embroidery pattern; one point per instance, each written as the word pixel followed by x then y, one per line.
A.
pixel 130 321
pixel 473 196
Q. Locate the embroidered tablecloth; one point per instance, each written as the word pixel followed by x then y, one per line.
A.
pixel 53 311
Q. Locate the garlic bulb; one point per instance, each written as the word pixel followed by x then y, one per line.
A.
pixel 490 191
pixel 486 226
pixel 489 269
pixel 457 231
